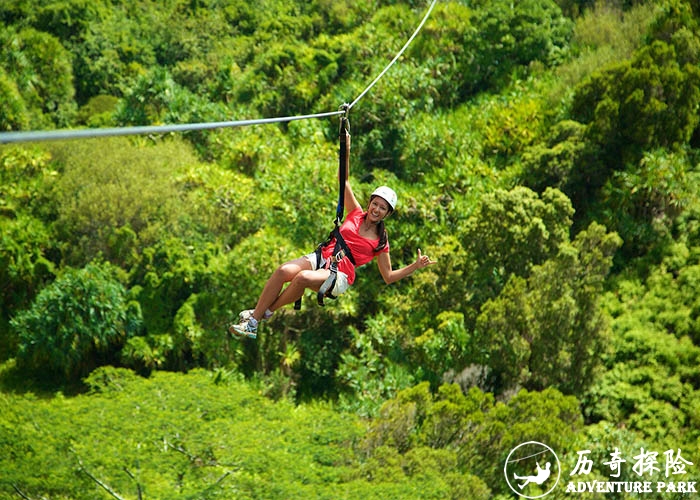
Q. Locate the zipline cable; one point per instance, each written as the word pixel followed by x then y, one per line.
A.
pixel 8 137
pixel 51 135
pixel 403 49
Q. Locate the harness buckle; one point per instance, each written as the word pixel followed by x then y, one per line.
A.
pixel 338 256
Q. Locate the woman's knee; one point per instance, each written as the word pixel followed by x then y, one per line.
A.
pixel 282 273
pixel 305 278
pixel 289 270
pixel 300 278
pixel 286 272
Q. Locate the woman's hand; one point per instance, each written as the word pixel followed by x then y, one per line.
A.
pixel 392 275
pixel 423 260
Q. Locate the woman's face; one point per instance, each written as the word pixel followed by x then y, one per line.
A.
pixel 378 209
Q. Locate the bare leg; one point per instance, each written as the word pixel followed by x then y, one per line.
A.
pixel 300 282
pixel 272 289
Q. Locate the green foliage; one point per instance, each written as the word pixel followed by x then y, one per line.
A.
pixel 637 105
pixel 42 71
pixel 652 374
pixel 98 111
pixel 110 43
pixel 67 19
pixel 179 436
pixel 447 344
pixel 366 376
pixel 24 173
pixel 511 126
pixel 547 330
pixel 154 98
pixel 26 242
pixel 603 35
pixel 13 115
pixel 277 82
pixel 477 430
pixel 596 115
pixel 75 324
pixel 510 232
pixel 626 113
pixel 554 161
pixel 120 203
pixel 320 349
pixel 462 53
pixel 677 24
pixel 24 269
pixel 443 47
pixel 170 275
pixel 641 201
pixel 508 36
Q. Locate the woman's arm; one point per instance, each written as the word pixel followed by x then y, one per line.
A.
pixel 392 275
pixel 349 199
pixel 351 202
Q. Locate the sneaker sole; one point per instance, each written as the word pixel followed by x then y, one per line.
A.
pixel 241 335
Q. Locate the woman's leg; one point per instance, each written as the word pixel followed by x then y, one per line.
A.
pixel 272 289
pixel 301 281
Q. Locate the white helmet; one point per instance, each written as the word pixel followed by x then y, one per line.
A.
pixel 388 194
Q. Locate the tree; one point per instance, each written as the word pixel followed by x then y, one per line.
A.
pixel 554 161
pixel 547 330
pixel 42 71
pixel 638 105
pixel 509 232
pixel 642 200
pixel 480 430
pixel 546 417
pixel 75 324
pixel 651 372
pixel 24 269
pixel 13 114
pixel 121 202
pixel 509 36
pixel 27 244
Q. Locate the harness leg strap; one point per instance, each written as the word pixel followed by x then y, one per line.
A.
pixel 327 287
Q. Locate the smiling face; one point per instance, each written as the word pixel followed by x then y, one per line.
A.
pixel 377 209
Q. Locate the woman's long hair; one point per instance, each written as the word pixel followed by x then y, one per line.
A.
pixel 381 231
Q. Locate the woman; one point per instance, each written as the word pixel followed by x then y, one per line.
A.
pixel 365 237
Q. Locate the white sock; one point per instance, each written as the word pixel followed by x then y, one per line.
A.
pixel 267 314
pixel 253 322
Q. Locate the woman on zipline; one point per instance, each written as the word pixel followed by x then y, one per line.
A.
pixel 364 238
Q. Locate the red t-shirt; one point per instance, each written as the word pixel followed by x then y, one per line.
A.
pixel 362 248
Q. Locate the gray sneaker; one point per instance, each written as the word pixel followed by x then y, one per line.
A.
pixel 243 329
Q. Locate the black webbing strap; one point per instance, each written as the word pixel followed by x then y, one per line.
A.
pixel 343 166
pixel 341 250
pixel 340 246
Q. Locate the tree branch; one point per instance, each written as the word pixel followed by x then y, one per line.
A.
pixel 138 485
pixel 180 449
pixel 100 483
pixel 19 492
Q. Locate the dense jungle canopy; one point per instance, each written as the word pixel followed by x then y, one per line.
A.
pixel 545 154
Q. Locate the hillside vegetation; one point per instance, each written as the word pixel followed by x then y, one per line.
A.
pixel 545 154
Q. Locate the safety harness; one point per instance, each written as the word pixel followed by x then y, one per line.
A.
pixel 341 249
